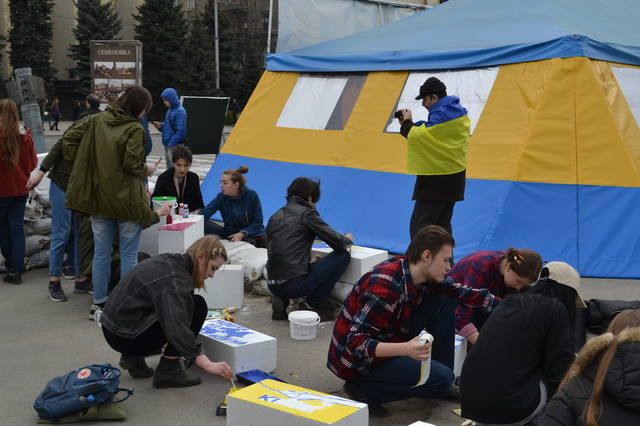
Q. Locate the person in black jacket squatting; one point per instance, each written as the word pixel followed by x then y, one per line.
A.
pixel 179 182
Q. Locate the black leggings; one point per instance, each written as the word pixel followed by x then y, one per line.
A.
pixel 150 341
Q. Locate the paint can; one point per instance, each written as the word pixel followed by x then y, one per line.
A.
pixel 303 325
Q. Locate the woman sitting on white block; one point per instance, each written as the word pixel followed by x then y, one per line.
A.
pixel 154 305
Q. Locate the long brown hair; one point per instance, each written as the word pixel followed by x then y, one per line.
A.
pixel 624 327
pixel 208 247
pixel 9 132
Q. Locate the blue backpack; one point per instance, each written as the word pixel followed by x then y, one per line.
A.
pixel 79 390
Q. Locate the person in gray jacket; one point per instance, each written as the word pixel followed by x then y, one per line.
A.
pixel 154 305
pixel 291 231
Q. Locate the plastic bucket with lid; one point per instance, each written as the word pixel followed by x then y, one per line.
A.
pixel 303 325
pixel 161 201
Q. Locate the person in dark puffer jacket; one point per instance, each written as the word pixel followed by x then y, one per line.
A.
pixel 602 387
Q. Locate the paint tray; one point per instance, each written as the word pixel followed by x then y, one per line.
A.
pixel 254 376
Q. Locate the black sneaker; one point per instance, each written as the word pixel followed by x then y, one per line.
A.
pixel 13 279
pixel 326 310
pixel 136 366
pixel 96 307
pixel 353 391
pixel 55 292
pixel 279 308
pixel 83 287
pixel 68 272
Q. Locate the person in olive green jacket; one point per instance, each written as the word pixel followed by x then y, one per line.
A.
pixel 107 152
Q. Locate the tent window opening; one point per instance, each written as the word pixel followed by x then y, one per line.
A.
pixel 472 86
pixel 629 82
pixel 321 102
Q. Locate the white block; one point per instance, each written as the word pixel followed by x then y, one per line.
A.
pixel 362 260
pixel 273 403
pixel 149 240
pixel 242 348
pixel 460 354
pixel 172 241
pixel 225 289
pixel 341 290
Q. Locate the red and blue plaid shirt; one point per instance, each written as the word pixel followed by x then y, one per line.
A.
pixel 379 309
pixel 480 269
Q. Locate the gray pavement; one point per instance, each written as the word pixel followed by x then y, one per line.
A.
pixel 42 339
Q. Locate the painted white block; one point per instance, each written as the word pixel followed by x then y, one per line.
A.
pixel 225 289
pixel 242 348
pixel 273 403
pixel 171 241
pixel 460 344
pixel 362 260
pixel 149 240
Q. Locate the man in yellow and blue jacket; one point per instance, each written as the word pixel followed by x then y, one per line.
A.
pixel 437 155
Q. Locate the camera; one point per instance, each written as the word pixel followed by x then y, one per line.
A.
pixel 398 114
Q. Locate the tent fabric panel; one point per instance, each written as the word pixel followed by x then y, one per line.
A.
pixel 604 155
pixel 609 234
pixel 362 144
pixel 490 33
pixel 312 102
pixel 526 123
pixel 374 206
pixel 471 86
pixel 629 80
pixel 496 215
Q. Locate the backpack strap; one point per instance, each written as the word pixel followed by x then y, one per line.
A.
pixel 129 392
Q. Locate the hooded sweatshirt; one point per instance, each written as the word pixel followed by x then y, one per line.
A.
pixel 174 128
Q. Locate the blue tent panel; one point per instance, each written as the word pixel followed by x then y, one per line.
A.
pixel 609 234
pixel 468 33
pixel 553 219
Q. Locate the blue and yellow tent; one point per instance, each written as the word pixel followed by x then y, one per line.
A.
pixel 553 91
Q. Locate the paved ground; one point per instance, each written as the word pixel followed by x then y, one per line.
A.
pixel 42 339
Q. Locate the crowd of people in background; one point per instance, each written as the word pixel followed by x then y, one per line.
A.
pixel 517 314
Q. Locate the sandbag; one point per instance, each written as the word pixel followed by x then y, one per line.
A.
pixel 33 210
pixel 43 199
pixel 252 258
pixel 260 287
pixel 35 243
pixel 41 226
pixel 39 259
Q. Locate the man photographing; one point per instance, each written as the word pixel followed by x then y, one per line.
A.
pixel 437 154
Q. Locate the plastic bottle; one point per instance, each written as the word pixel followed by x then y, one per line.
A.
pixel 185 211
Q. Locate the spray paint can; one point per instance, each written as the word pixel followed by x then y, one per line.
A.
pixel 423 338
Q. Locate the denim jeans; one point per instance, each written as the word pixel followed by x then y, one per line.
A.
pixel 61 223
pixel 212 228
pixel 393 379
pixel 317 285
pixel 104 230
pixel 12 232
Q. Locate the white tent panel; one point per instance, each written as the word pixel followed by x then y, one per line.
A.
pixel 471 86
pixel 629 81
pixel 312 102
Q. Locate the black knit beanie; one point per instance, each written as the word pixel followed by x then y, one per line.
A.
pixel 432 86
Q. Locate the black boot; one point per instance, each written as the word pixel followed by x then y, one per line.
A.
pixel 136 366
pixel 279 308
pixel 169 374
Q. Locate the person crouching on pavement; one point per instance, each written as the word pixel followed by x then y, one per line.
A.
pixel 290 235
pixel 154 305
pixel 375 344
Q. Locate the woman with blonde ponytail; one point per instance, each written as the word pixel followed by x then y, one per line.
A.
pixel 17 160
pixel 602 387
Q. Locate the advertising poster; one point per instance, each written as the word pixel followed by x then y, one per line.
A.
pixel 115 65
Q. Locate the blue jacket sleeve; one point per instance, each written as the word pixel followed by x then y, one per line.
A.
pixel 211 208
pixel 255 227
pixel 180 124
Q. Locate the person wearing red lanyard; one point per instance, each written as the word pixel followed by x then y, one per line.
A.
pixel 179 182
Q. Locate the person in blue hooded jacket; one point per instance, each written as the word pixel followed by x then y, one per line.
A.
pixel 174 127
pixel 240 209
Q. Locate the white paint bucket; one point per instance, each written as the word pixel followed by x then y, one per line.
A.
pixel 303 325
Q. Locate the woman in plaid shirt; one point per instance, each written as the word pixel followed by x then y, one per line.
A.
pixel 375 344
